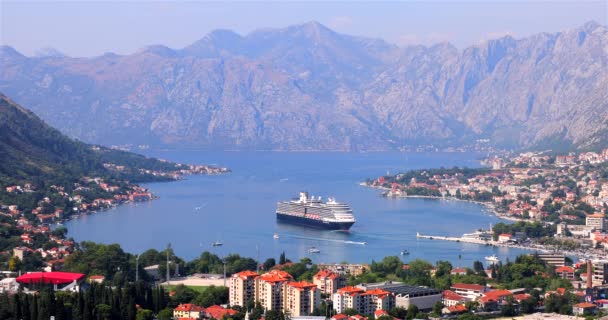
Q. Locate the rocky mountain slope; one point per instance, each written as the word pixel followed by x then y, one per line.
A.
pixel 306 87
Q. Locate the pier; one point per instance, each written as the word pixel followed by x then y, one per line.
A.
pixel 482 242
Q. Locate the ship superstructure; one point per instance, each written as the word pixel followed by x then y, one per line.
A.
pixel 313 212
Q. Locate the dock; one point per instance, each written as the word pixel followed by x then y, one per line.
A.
pixel 482 242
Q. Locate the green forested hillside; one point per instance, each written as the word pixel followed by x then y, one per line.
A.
pixel 32 151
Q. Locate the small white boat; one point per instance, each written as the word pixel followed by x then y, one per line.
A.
pixel 314 250
pixel 404 252
pixel 492 258
pixel 276 236
pixel 217 244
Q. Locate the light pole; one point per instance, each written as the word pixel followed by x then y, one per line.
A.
pixel 224 261
pixel 168 272
pixel 137 268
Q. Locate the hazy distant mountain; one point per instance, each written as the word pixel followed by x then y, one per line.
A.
pixel 307 87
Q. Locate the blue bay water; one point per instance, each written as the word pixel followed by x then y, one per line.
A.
pixel 238 209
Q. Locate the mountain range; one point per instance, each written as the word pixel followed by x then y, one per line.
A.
pixel 306 87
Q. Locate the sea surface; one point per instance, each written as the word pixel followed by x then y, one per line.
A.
pixel 238 209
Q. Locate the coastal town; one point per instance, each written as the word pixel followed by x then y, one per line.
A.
pixel 31 216
pixel 551 197
pixel 565 194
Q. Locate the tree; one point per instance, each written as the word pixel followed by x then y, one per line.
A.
pixel 350 312
pixel 437 308
pixel 183 294
pixel 165 314
pixel 103 312
pixel 471 305
pixel 282 259
pixel 478 267
pixel 269 263
pixel 275 315
pixel 14 264
pixel 412 311
pixel 528 305
pixel 508 308
pixel 443 268
pixel 144 314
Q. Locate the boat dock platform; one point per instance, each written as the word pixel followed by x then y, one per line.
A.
pixel 479 241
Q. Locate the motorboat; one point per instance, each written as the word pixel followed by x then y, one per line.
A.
pixel 492 258
pixel 314 250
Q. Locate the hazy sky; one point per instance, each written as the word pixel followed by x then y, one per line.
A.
pixel 88 28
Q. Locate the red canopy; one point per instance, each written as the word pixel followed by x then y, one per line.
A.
pixel 50 277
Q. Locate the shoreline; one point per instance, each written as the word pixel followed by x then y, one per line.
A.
pixel 491 207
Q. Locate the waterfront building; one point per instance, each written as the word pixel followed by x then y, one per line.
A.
pixel 556 260
pixel 600 272
pixel 450 298
pixel 328 281
pixel 188 310
pixel 584 309
pixel 562 230
pixel 301 298
pixel 242 288
pixel 348 298
pixel 565 272
pixel 505 237
pixel 595 221
pixel 9 285
pixel 345 269
pixel 274 290
pixel 469 291
pixel 405 295
pixel 61 281
pixel 491 300
pixel 270 289
pixel 364 301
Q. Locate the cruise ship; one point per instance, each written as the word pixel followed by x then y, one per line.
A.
pixel 312 212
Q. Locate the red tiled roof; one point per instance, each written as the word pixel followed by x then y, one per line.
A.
pixel 301 284
pixel 466 286
pixel 458 308
pixel 521 296
pixel 326 274
pixel 276 276
pixel 379 313
pixel 459 270
pixel 451 295
pixel 340 316
pixel 217 312
pixel 564 269
pixel 247 274
pixel 584 305
pixel 188 307
pixel 350 290
pixel 50 277
pixel 498 293
pixel 375 292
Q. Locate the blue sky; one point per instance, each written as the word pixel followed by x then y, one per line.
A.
pixel 89 28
